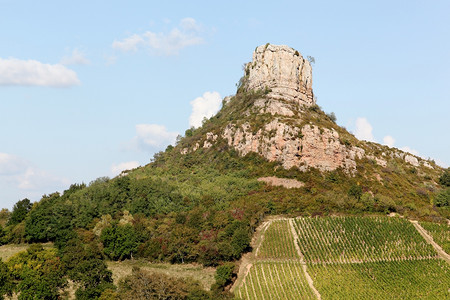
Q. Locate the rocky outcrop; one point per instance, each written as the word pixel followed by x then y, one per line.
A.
pixel 282 123
pixel 284 71
pixel 292 146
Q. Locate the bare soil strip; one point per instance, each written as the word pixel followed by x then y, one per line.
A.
pixel 430 240
pixel 302 260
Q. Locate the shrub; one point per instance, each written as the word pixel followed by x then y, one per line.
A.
pixel 355 191
pixel 6 280
pixel 442 199
pixel 445 178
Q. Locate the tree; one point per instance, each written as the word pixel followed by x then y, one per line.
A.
pixel 445 178
pixel 20 211
pixel 39 273
pixel 85 266
pixel 6 281
pixel 120 241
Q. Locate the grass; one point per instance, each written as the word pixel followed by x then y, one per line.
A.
pixel 6 251
pixel 205 276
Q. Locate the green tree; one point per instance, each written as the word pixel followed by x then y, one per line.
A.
pixel 39 273
pixel 20 211
pixel 119 241
pixel 224 275
pixel 6 281
pixel 85 266
pixel 445 178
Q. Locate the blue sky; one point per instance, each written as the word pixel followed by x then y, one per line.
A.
pixel 88 88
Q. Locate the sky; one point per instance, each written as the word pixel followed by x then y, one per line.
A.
pixel 90 88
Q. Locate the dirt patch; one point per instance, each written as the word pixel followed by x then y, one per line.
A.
pixel 287 183
pixel 205 276
pixel 6 251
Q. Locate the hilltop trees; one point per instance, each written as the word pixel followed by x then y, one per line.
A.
pixel 19 212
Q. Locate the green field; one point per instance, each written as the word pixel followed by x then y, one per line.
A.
pixel 408 279
pixel 357 239
pixel 275 280
pixel 346 258
pixel 440 234
pixel 278 241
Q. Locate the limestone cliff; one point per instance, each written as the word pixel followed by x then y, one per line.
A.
pixel 274 114
pixel 284 71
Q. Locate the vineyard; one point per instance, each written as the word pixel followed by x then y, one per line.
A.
pixel 358 239
pixel 346 258
pixel 275 280
pixel 440 234
pixel 408 279
pixel 278 241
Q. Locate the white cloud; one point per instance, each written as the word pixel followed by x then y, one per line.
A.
pixel 389 141
pixel 204 107
pixel 21 173
pixel 128 44
pixel 32 72
pixel 76 58
pixel 116 169
pixel 151 137
pixel 412 151
pixel 11 164
pixel 33 179
pixel 186 34
pixel 363 130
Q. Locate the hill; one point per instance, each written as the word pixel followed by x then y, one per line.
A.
pixel 270 150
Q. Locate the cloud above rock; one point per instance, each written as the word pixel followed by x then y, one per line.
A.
pixel 205 106
pixel 363 130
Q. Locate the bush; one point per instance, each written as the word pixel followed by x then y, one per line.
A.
pixel 144 285
pixel 442 199
pixel 355 191
pixel 6 280
pixel 224 275
pixel 445 178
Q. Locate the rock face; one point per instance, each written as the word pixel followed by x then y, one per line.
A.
pixel 303 147
pixel 283 123
pixel 284 71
